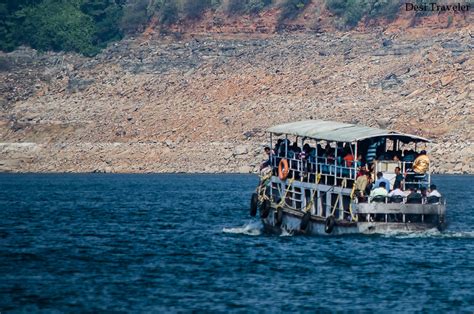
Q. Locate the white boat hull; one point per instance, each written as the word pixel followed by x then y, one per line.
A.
pixel 292 220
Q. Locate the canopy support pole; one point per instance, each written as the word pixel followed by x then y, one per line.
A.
pixel 355 160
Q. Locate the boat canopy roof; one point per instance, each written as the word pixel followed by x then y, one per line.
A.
pixel 340 132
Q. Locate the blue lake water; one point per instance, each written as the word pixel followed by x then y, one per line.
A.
pixel 182 243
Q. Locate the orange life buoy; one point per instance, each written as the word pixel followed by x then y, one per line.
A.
pixel 283 169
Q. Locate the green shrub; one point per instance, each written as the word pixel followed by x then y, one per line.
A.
pixel 106 15
pixel 290 9
pixel 338 7
pixel 169 12
pixel 255 6
pixel 235 6
pixel 384 8
pixel 57 25
pixel 194 9
pixel 135 16
pixel 245 6
pixel 351 12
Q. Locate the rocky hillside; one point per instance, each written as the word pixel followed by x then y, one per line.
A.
pixel 202 103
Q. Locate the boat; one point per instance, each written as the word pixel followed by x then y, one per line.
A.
pixel 308 189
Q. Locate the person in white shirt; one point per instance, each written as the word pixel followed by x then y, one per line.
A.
pixel 433 191
pixel 397 192
pixel 380 191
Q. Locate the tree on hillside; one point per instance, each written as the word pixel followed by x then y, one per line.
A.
pixel 168 12
pixel 106 15
pixel 290 9
pixel 135 16
pixel 194 9
pixel 9 23
pixel 57 25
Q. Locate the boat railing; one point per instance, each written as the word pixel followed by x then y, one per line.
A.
pixel 411 178
pixel 300 168
pixel 405 200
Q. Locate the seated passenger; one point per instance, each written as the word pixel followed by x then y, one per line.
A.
pixel 277 145
pixel 320 150
pixel 327 151
pixel 397 156
pixel 434 191
pixel 380 180
pixel 303 153
pixel 306 148
pixel 295 148
pixel 423 191
pixel 312 155
pixel 349 159
pixel 397 191
pixel 380 191
pixel 414 197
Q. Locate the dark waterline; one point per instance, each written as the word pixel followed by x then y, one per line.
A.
pixel 173 243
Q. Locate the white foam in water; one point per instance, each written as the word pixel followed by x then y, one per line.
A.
pixel 286 233
pixel 431 233
pixel 253 228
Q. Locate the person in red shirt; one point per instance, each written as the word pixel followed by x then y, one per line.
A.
pixel 349 158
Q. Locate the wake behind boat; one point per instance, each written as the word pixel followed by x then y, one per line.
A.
pixel 365 180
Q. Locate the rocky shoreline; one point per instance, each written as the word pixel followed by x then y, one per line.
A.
pixel 202 104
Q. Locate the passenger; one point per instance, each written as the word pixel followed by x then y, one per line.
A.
pixel 398 177
pixel 370 183
pixel 361 171
pixel 312 155
pixel 339 148
pixel 414 196
pixel 327 151
pixel 360 185
pixel 349 159
pixel 282 148
pixel 306 148
pixel 291 152
pixel 434 191
pixel 277 145
pixel 320 150
pixel 421 163
pixel 302 155
pixel 312 160
pixel 267 162
pixel 329 154
pixel 380 191
pixel 380 180
pixel 397 156
pixel 397 191
pixel 295 148
pixel 423 191
pixel 359 162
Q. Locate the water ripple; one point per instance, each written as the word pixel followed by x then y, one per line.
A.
pixel 185 243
